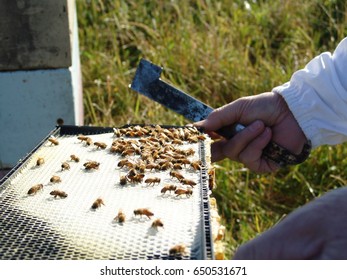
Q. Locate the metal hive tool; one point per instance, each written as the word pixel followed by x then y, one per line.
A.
pixel 42 227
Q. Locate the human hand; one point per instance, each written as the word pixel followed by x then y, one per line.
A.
pixel 266 117
pixel 317 230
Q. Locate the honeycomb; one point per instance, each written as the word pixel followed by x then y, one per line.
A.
pixel 44 226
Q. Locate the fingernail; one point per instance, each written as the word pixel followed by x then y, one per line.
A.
pixel 256 126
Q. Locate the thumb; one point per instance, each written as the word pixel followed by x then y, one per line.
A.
pixel 220 117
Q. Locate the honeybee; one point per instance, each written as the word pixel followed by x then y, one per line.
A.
pixel 65 166
pixel 55 179
pixel 174 134
pixel 125 162
pixel 141 167
pixel 123 180
pixel 91 165
pixel 147 156
pixel 152 166
pixel 100 145
pixel 158 128
pixel 82 137
pixel 132 172
pixel 168 188
pixel 40 161
pixel 189 152
pixel 193 139
pixel 211 178
pixel 89 141
pixel 157 223
pixel 153 139
pixel 53 141
pixel 152 181
pixel 197 165
pixel 143 140
pixel 177 250
pixel 114 149
pixel 166 165
pixel 128 152
pixel 177 166
pixel 97 203
pixel 177 142
pixel 58 193
pixel 163 138
pixel 134 133
pixel 220 233
pixel 177 175
pixel 137 178
pixel 117 132
pixel 35 189
pixel 75 158
pixel 188 192
pixel 120 218
pixel 143 211
pixel 201 137
pixel 184 161
pixel 188 182
pixel 155 154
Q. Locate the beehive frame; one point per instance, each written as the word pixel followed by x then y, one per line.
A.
pixel 95 234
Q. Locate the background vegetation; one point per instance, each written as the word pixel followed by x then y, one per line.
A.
pixel 216 51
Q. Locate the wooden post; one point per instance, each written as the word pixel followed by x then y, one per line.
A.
pixel 40 77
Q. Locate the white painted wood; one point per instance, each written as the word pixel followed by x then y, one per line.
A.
pixel 32 101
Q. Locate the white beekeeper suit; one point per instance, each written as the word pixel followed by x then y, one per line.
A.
pixel 317 97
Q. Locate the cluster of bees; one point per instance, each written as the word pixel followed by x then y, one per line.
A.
pixel 143 150
pixel 56 193
pixel 157 149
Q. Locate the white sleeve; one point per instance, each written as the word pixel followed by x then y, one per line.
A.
pixel 317 96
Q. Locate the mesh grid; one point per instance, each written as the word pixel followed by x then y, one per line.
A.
pixel 43 227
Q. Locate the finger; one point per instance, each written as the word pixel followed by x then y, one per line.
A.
pixel 217 150
pixel 221 117
pixel 240 141
pixel 252 155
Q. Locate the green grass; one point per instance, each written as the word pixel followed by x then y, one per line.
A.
pixel 216 51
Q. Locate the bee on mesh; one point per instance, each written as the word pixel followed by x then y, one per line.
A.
pixel 97 203
pixel 53 141
pixel 40 161
pixel 58 193
pixel 152 181
pixel 176 250
pixel 168 188
pixel 74 158
pixel 157 224
pixel 186 192
pixel 65 166
pixel 91 165
pixel 55 179
pixel 120 218
pixel 100 145
pixel 143 212
pixel 35 189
